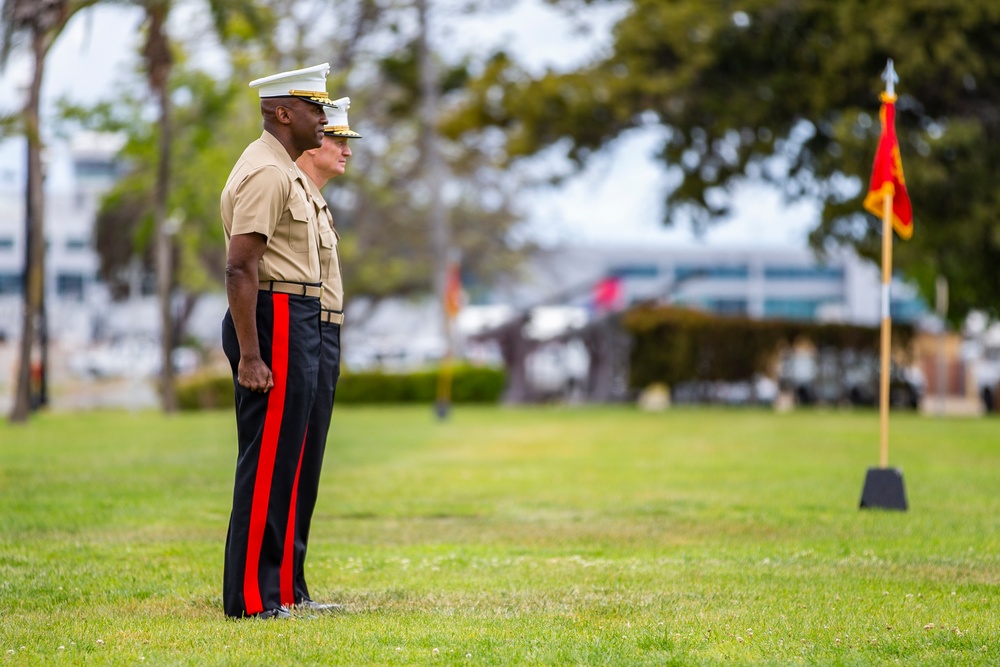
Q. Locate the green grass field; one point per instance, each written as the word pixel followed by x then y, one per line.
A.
pixel 591 536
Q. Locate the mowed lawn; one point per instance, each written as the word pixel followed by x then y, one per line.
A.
pixel 547 536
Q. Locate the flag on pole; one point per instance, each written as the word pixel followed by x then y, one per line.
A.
pixel 453 290
pixel 887 173
pixel 607 294
pixel 451 305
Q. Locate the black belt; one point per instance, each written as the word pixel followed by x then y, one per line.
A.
pixel 331 317
pixel 312 290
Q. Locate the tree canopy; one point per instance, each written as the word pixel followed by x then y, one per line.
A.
pixel 786 92
pixel 379 206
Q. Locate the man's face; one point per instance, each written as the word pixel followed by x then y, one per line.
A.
pixel 307 123
pixel 331 158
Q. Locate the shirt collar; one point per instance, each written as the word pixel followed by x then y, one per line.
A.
pixel 272 142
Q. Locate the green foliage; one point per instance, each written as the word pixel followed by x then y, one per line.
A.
pixel 674 345
pixel 787 93
pixel 376 387
pixel 470 384
pixel 513 537
pixel 477 384
pixel 380 206
pixel 240 23
pixel 211 124
pixel 10 124
pixel 205 391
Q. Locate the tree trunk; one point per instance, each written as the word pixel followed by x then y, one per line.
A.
pixel 607 375
pixel 34 267
pixel 514 348
pixel 164 259
pixel 159 62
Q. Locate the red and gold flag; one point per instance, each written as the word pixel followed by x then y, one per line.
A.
pixel 453 290
pixel 608 293
pixel 887 174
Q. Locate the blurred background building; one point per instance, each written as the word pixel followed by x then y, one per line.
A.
pixel 76 301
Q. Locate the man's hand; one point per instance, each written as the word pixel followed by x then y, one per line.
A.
pixel 253 374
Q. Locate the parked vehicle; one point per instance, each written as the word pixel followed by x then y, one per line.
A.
pixel 847 378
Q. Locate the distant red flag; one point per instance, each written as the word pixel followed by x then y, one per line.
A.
pixel 453 290
pixel 608 294
pixel 887 174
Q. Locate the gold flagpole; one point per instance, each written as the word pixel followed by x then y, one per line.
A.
pixel 886 351
pixel 443 402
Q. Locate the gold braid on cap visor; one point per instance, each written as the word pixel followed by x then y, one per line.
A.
pixel 318 96
pixel 341 131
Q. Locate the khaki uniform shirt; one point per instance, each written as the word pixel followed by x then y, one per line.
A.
pixel 268 194
pixel 329 254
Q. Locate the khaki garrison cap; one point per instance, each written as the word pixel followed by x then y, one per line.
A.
pixel 308 84
pixel 336 120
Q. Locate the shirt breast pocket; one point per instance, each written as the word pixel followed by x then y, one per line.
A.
pixel 299 227
pixel 327 248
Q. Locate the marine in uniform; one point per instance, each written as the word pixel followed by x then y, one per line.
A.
pixel 320 165
pixel 271 336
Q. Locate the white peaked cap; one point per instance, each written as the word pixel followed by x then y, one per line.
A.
pixel 336 120
pixel 308 84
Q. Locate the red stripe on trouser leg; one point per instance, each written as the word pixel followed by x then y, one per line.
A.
pixel 288 559
pixel 268 450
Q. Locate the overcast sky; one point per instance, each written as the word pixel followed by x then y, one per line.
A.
pixel 617 198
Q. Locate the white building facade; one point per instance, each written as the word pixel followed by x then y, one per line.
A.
pixel 73 295
pixel 760 283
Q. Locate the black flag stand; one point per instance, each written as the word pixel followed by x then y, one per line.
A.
pixel 884 490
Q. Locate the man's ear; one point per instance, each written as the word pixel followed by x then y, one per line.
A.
pixel 283 114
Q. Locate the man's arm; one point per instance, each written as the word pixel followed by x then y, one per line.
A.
pixel 245 251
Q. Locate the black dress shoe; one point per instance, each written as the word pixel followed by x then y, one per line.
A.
pixel 280 612
pixel 312 605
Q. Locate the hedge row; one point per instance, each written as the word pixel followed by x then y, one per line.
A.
pixel 469 385
pixel 675 345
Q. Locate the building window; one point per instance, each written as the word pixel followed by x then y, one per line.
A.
pixel 803 273
pixel 908 310
pixel 634 271
pixel 70 286
pixel 6 242
pixel 718 272
pixel 95 168
pixel 791 309
pixel 76 244
pixel 10 283
pixel 727 306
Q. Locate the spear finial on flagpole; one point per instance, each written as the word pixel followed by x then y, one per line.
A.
pixel 890 78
